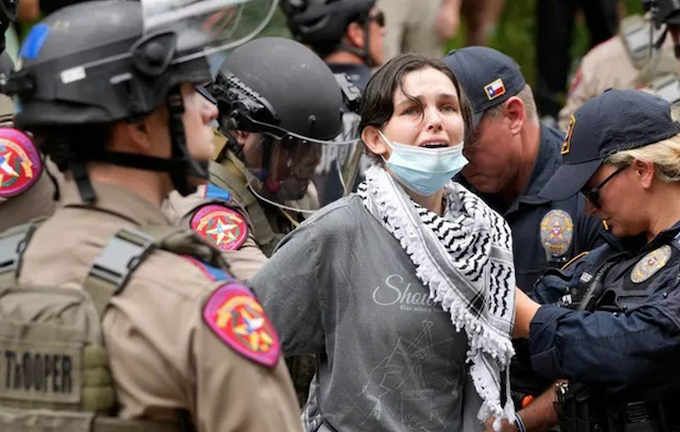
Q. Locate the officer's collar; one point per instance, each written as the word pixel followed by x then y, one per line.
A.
pixel 634 245
pixel 116 200
pixel 358 74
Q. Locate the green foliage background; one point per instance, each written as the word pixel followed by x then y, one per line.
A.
pixel 516 34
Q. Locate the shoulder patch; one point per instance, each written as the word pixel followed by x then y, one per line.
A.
pixel 557 231
pixel 237 318
pixel 650 264
pixel 20 163
pixel 221 226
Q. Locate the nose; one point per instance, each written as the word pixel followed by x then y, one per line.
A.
pixel 209 112
pixel 433 120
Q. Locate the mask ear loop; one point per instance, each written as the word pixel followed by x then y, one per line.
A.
pixel 386 141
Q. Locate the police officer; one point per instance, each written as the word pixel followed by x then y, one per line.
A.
pixel 347 34
pixel 512 156
pixel 28 181
pixel 265 179
pixel 630 59
pixel 619 350
pixel 109 93
pixel 262 177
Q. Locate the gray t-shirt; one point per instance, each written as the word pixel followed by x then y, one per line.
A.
pixel 340 286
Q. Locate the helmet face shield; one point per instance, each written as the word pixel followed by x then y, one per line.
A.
pixel 298 173
pixel 204 27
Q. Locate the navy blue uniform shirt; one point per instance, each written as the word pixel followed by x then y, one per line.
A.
pixel 528 211
pixel 630 346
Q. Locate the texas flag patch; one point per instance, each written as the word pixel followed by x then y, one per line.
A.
pixel 495 89
pixel 237 318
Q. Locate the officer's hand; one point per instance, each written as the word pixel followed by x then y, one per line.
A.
pixel 506 426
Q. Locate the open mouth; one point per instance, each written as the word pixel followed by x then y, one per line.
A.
pixel 434 145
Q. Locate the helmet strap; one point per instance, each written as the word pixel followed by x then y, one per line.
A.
pixel 188 168
pixel 363 53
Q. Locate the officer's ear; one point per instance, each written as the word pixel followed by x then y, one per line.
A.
pixel 516 114
pixel 143 135
pixel 241 137
pixel 356 35
pixel 644 173
pixel 374 141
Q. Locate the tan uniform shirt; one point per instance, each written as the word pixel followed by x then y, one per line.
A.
pixel 608 65
pixel 163 357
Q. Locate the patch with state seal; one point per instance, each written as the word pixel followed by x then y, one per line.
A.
pixel 221 226
pixel 237 318
pixel 557 231
pixel 20 163
pixel 650 264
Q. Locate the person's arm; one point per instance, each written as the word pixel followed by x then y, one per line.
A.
pixel 538 416
pixel 629 352
pixel 525 309
pixel 448 19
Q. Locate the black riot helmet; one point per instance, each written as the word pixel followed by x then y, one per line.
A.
pixel 8 14
pixel 282 92
pixel 665 11
pixel 321 24
pixel 99 62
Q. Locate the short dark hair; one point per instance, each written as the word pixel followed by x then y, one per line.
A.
pixel 377 103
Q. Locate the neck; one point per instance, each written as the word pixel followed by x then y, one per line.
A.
pixel 529 142
pixel 663 209
pixel 433 202
pixel 151 185
pixel 342 56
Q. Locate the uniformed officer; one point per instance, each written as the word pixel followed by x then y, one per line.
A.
pixel 27 189
pixel 627 60
pixel 512 156
pixel 107 87
pixel 262 179
pixel 619 350
pixel 347 34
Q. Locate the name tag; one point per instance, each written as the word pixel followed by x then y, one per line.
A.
pixel 40 371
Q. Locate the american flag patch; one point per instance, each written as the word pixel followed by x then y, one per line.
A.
pixel 495 89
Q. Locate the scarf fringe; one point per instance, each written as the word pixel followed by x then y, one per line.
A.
pixel 484 340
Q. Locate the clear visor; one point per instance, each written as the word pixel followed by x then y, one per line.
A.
pixel 301 174
pixel 204 27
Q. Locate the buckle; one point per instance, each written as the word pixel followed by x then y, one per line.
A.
pixel 122 254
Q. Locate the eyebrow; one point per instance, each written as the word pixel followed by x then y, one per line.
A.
pixel 420 98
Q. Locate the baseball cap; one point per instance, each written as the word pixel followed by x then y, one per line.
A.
pixel 487 76
pixel 614 121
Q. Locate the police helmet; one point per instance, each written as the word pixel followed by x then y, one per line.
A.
pixel 282 91
pixel 99 62
pixel 321 23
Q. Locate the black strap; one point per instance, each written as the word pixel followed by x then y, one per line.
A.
pixel 109 274
pixel 13 243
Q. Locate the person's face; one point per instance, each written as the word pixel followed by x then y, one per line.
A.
pixel 492 154
pixel 436 121
pixel 619 201
pixel 198 114
pixel 376 38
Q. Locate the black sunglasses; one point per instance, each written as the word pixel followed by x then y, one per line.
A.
pixel 593 195
pixel 379 19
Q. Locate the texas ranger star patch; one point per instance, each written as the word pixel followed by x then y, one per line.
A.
pixel 238 319
pixel 650 264
pixel 20 163
pixel 221 226
pixel 557 230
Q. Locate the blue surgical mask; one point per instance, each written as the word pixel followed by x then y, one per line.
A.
pixel 424 170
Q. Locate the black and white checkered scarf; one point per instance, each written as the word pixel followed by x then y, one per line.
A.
pixel 465 259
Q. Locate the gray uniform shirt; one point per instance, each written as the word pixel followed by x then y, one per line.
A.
pixel 341 286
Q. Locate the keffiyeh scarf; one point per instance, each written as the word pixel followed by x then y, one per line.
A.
pixel 465 259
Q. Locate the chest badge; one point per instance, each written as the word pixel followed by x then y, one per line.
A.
pixel 237 318
pixel 221 226
pixel 20 163
pixel 650 264
pixel 557 231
